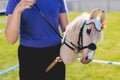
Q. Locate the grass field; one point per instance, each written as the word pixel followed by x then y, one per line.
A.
pixel 108 49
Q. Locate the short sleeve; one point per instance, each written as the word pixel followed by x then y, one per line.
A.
pixel 10 6
pixel 63 7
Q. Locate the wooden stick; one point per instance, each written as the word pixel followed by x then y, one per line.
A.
pixel 58 59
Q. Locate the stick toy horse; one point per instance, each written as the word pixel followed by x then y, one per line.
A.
pixel 81 36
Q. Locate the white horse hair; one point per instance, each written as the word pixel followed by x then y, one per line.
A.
pixel 71 34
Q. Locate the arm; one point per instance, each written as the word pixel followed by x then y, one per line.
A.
pixel 13 21
pixel 12 29
pixel 63 21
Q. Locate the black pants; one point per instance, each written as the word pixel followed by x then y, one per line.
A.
pixel 34 61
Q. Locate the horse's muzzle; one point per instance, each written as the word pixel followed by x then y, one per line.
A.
pixel 88 58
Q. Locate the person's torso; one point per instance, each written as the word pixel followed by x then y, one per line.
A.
pixel 35 31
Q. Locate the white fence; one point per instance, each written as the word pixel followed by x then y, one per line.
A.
pixel 86 5
pixel 3 4
pixel 83 5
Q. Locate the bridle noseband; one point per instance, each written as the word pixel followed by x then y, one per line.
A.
pixel 80 46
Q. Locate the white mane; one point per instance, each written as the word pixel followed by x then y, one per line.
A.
pixel 72 34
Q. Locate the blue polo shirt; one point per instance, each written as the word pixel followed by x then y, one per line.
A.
pixel 34 30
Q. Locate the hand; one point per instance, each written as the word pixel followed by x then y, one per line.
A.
pixel 58 59
pixel 24 4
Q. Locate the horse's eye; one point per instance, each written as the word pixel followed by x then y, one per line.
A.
pixel 88 31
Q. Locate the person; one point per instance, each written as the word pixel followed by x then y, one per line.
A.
pixel 38 45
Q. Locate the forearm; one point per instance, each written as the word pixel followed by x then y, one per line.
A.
pixel 63 21
pixel 13 23
pixel 13 27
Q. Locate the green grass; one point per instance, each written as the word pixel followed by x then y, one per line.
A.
pixel 108 49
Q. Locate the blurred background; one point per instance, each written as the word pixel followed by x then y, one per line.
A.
pixel 83 5
pixel 108 50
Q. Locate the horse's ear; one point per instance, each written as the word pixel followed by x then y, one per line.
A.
pixel 94 13
pixel 103 16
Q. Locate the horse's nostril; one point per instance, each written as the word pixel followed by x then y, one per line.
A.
pixel 84 61
pixel 86 57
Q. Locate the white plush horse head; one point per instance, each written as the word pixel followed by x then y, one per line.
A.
pixel 82 35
